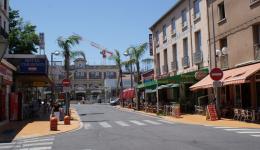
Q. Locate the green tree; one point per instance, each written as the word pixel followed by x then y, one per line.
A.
pixel 117 59
pixel 66 44
pixel 136 54
pixel 22 36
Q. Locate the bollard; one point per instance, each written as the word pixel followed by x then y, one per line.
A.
pixel 53 124
pixel 67 120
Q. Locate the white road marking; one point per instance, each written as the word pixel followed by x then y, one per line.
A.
pixel 121 123
pixel 37 148
pixel 256 132
pixel 224 127
pixel 6 146
pixel 256 135
pixel 165 121
pixel 152 122
pixel 105 125
pixel 137 122
pixel 87 126
pixel 239 129
pixel 37 140
pixel 37 144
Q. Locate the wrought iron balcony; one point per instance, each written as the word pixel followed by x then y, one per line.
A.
pixel 185 61
pixel 165 69
pixel 174 65
pixel 197 57
pixel 257 51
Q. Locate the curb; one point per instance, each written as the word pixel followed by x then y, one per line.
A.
pixel 54 134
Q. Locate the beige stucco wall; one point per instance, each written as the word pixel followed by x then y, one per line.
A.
pixel 180 35
pixel 240 16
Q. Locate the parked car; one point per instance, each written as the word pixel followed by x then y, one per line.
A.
pixel 114 101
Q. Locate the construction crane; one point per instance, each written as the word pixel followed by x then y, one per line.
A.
pixel 103 51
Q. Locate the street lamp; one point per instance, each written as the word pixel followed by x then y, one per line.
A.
pixel 56 53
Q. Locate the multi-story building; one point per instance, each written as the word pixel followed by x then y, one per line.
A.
pixel 88 80
pixel 234 29
pixel 180 45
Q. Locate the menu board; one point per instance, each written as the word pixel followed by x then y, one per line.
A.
pixel 212 112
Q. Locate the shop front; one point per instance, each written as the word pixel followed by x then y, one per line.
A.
pixel 30 80
pixel 240 89
pixel 6 81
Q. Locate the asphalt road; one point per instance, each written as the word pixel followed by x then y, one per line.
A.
pixel 107 128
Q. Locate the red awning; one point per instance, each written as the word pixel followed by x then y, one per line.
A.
pixel 128 94
pixel 232 76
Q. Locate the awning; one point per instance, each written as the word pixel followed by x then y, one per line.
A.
pixel 148 91
pixel 232 76
pixel 150 84
pixel 128 94
pixel 76 92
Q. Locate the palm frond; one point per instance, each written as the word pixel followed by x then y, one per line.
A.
pixel 73 40
pixel 74 54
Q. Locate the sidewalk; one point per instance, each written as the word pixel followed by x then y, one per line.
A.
pixel 199 120
pixel 41 127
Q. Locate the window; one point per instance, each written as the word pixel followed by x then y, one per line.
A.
pixel 184 18
pixel 4 25
pixel 196 9
pixel 110 75
pixel 223 43
pixel 95 75
pixel 174 52
pixel 185 47
pixel 198 41
pixel 5 4
pixel 173 26
pixel 164 33
pixel 157 38
pixel 221 11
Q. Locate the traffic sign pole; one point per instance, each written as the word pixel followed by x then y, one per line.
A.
pixel 216 74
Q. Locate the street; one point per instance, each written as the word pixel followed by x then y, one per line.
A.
pixel 106 128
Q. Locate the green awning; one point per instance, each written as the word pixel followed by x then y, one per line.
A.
pixel 150 84
pixel 183 78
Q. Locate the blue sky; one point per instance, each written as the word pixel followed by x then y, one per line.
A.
pixel 114 24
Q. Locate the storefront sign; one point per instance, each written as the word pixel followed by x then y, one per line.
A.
pixel 33 66
pixel 151 44
pixel 200 75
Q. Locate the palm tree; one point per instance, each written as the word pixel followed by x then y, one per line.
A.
pixel 117 59
pixel 136 53
pixel 66 44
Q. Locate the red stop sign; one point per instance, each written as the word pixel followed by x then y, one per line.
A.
pixel 216 74
pixel 66 82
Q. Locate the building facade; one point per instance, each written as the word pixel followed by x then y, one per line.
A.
pixel 88 80
pixel 234 37
pixel 180 46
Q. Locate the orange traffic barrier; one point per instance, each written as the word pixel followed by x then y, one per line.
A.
pixel 67 120
pixel 53 124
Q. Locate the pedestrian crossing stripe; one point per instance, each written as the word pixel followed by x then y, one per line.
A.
pixel 37 140
pixel 121 123
pixel 224 127
pixel 152 122
pixel 87 126
pixel 256 135
pixel 254 132
pixel 239 129
pixel 137 122
pixel 38 148
pixel 105 124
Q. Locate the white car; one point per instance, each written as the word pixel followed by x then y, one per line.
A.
pixel 114 101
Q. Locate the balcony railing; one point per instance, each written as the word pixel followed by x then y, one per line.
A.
pixel 257 51
pixel 165 69
pixel 174 65
pixel 197 57
pixel 185 61
pixel 3 33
